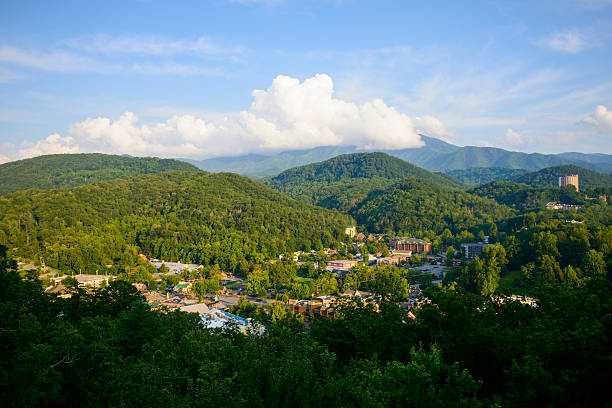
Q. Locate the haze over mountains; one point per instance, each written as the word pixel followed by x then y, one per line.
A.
pixel 436 155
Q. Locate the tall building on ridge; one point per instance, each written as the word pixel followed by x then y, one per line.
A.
pixel 571 180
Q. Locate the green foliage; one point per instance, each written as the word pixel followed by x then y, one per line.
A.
pixel 414 207
pixel 348 167
pixel 192 217
pixel 108 348
pixel 525 198
pixel 475 176
pixel 549 177
pixel 205 286
pixel 72 170
pixel 482 274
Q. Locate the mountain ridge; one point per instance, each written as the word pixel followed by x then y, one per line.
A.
pixel 436 155
pixel 76 169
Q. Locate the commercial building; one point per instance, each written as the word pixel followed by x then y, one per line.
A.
pixel 416 246
pixel 570 180
pixel 472 250
pixel 91 281
pixel 351 231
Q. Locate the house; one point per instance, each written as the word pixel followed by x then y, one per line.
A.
pixel 182 287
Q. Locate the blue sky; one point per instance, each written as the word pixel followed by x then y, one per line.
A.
pixel 208 78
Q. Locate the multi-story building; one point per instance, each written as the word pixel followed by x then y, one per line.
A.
pixel 570 180
pixel 351 231
pixel 472 250
pixel 416 246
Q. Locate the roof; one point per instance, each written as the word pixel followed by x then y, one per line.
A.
pixel 181 286
pixel 82 278
pixel 200 308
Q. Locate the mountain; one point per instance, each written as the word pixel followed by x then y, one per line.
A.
pixel 71 170
pixel 438 155
pixel 549 177
pixel 356 166
pixel 416 207
pixel 588 157
pixel 481 175
pixel 435 155
pixel 523 197
pixel 194 217
pixel 259 166
pixel 386 194
pixel 344 181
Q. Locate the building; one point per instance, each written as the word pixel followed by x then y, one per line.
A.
pixel 569 180
pixel 344 265
pixel 351 231
pixel 91 281
pixel 416 246
pixel 472 250
pixel 561 206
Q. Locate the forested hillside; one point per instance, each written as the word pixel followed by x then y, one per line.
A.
pixel 415 207
pixel 527 198
pixel 193 217
pixel 355 166
pixel 549 177
pixel 72 170
pixel 476 176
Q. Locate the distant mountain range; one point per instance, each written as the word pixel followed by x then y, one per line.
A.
pixel 436 155
pixel 547 177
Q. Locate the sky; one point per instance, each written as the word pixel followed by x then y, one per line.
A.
pixel 200 79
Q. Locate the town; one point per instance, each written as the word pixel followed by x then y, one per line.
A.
pixel 179 286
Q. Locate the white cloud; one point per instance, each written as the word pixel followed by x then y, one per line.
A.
pixel 483 143
pixel 59 61
pixel 7 76
pixel 288 115
pixel 602 118
pixel 151 45
pixel 512 138
pixel 431 126
pixel 52 144
pixel 175 69
pixel 567 41
pixel 4 159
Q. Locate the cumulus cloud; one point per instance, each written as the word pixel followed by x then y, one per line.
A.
pixel 566 41
pixel 431 126
pixel 288 115
pixel 512 138
pixel 52 144
pixel 4 159
pixel 602 118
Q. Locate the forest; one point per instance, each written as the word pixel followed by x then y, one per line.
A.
pixel 193 217
pixel 72 170
pixel 462 349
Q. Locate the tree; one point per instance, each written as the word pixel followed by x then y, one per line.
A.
pixel 365 256
pixel 199 288
pixel 70 282
pixel 450 256
pixel 594 264
pixel 324 284
pixel 258 281
pixel 415 260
